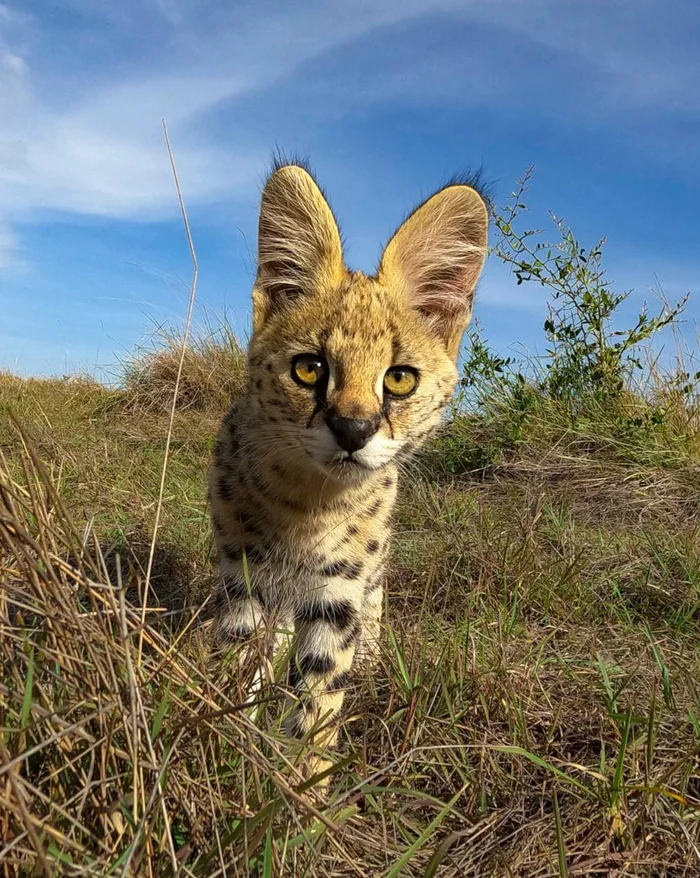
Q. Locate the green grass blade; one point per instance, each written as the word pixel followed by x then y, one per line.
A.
pixel 398 866
pixel 620 765
pixel 267 861
pixel 561 849
pixel 160 713
pixel 538 760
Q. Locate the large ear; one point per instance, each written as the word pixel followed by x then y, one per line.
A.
pixel 299 247
pixel 436 257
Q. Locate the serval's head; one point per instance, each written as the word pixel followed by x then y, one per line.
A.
pixel 349 372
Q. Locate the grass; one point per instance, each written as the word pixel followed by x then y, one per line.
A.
pixel 535 711
pixel 213 371
pixel 536 708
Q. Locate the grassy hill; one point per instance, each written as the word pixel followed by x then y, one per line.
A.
pixel 536 711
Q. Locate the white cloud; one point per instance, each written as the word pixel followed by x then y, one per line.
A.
pixel 89 140
pixel 100 150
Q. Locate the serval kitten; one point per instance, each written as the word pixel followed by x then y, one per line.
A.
pixel 348 375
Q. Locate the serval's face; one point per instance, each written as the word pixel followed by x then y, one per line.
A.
pixel 349 373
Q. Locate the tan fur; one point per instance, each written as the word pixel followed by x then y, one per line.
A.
pixel 303 535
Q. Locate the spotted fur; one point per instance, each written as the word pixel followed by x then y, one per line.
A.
pixel 302 524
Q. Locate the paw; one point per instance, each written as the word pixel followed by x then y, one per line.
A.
pixel 311 766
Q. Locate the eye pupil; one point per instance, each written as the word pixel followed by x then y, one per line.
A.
pixel 308 369
pixel 400 381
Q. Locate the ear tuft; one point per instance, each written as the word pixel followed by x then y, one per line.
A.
pixel 299 246
pixel 436 258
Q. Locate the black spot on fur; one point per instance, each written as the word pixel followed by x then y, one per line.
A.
pixel 294 725
pixel 224 489
pixel 254 553
pixel 372 546
pixel 353 530
pixel 269 367
pixel 346 569
pixel 231 552
pixel 290 504
pixel 373 585
pixel 340 681
pixel 303 666
pixel 316 664
pixel 387 482
pixel 352 636
pixel 236 587
pixel 294 677
pixel 258 384
pixel 374 508
pixel 339 614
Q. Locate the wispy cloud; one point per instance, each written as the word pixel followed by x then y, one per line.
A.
pixel 92 144
pixel 82 133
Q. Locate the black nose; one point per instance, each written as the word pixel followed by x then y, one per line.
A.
pixel 352 433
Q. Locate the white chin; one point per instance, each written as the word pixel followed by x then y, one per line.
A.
pixel 346 469
pixel 378 452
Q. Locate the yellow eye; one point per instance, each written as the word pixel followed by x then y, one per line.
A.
pixel 400 380
pixel 308 369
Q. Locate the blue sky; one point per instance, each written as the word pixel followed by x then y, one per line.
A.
pixel 388 98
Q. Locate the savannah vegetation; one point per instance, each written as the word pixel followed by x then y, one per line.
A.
pixel 536 707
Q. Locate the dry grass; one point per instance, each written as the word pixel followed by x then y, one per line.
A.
pixel 213 371
pixel 535 713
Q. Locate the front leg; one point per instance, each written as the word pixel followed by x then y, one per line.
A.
pixel 372 601
pixel 327 629
pixel 239 619
pixel 237 608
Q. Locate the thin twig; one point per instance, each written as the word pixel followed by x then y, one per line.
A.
pixel 185 337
